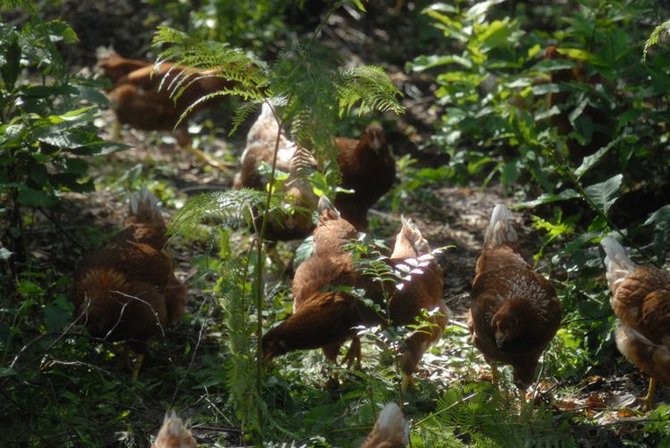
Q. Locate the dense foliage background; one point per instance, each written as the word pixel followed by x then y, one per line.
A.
pixel 555 107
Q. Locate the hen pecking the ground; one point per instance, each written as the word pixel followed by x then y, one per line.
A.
pixel 126 290
pixel 325 316
pixel 140 96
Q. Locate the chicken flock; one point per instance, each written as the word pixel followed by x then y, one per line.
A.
pixel 127 290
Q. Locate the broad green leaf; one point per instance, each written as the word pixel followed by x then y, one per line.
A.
pixel 480 9
pixel 582 55
pixel 548 198
pixel 99 147
pixel 57 314
pixel 28 288
pixel 659 217
pixel 604 194
pixel 578 110
pixel 421 63
pixel 35 198
pixel 496 34
pixel 543 89
pixel 591 160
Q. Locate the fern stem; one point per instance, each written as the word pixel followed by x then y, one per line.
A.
pixel 260 261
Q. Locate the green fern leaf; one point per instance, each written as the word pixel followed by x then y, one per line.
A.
pixel 655 36
pixel 368 86
pixel 228 207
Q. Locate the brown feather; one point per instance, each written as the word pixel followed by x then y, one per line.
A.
pixel 514 312
pixel 641 301
pixel 126 290
pixel 260 148
pixel 368 168
pixel 326 319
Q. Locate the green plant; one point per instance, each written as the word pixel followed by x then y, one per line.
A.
pixel 313 92
pixel 480 415
pixel 565 116
pixel 46 126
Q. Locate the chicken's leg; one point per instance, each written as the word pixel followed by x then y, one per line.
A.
pixel 353 356
pixel 116 130
pixel 649 398
pixel 495 375
pixel 406 382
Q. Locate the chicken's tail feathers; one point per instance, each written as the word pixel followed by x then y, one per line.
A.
pixel 500 230
pixel 412 234
pixel 102 52
pixel 391 428
pixel 144 207
pixel 174 433
pixel 326 209
pixel 617 262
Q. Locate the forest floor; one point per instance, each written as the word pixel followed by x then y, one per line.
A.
pixel 449 216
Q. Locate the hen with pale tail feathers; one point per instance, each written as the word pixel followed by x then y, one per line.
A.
pixel 514 312
pixel 326 318
pixel 641 301
pixel 391 429
pixel 174 434
pixel 262 139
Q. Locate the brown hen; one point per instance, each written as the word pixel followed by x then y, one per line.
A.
pixel 514 312
pixel 327 319
pixel 127 290
pixel 641 301
pixel 114 66
pixel 174 434
pixel 391 430
pixel 367 168
pixel 140 96
pixel 260 148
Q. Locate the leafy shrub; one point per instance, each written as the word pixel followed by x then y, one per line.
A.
pixel 46 126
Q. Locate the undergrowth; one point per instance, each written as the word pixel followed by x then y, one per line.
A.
pixel 580 174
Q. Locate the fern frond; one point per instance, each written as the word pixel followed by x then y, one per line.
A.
pixel 368 86
pixel 306 77
pixel 655 36
pixel 490 419
pixel 233 286
pixel 218 59
pixel 303 163
pixel 227 207
pixel 223 92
